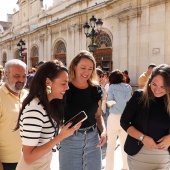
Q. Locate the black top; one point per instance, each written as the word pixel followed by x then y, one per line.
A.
pixel 77 100
pixel 158 121
pixel 153 121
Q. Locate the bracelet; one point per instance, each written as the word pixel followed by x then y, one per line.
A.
pixel 142 137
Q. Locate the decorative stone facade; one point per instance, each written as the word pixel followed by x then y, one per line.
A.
pixel 134 32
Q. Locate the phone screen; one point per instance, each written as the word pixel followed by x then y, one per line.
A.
pixel 80 117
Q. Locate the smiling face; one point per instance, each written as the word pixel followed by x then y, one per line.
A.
pixel 157 86
pixel 83 70
pixel 58 86
pixel 16 78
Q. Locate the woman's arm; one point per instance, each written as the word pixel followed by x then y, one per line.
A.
pixel 132 131
pixel 33 153
pixel 147 141
pixel 101 125
pixel 127 121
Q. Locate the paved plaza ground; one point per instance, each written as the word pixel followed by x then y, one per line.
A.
pixel 117 165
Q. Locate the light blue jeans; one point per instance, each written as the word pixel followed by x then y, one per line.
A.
pixel 79 152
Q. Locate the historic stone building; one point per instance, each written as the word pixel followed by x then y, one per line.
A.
pixel 134 32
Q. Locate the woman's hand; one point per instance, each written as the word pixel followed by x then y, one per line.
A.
pixel 149 143
pixel 102 140
pixel 33 153
pixel 66 131
pixel 164 142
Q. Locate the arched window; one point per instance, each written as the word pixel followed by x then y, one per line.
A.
pixel 61 48
pixel 103 40
pixel 103 54
pixel 60 52
pixel 34 56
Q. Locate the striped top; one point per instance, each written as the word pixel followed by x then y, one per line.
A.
pixel 35 126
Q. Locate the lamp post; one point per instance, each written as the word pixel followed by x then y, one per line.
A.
pixel 21 47
pixel 93 33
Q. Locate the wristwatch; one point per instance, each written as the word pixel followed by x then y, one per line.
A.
pixel 142 137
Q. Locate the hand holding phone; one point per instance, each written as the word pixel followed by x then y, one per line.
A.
pixel 80 117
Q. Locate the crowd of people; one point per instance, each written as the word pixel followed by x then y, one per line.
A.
pixel 35 104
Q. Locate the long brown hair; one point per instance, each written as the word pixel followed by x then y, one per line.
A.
pixel 76 60
pixel 164 71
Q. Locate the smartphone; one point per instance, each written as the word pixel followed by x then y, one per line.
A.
pixel 80 117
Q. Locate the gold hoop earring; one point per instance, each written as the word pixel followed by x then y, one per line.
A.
pixel 48 89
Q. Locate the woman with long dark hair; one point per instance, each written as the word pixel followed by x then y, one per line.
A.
pixel 41 117
pixel 146 119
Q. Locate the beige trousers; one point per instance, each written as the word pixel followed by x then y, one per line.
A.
pixel 113 130
pixel 153 159
pixel 41 164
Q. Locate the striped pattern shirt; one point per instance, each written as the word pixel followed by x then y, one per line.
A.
pixel 35 126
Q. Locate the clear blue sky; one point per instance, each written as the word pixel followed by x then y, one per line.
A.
pixel 7 6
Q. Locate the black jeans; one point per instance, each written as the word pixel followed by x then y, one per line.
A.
pixel 9 166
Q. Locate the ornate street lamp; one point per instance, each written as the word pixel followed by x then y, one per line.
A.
pixel 93 33
pixel 21 47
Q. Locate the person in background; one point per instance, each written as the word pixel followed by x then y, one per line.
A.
pixel 1 74
pixel 12 95
pixel 103 81
pixel 83 149
pixel 58 62
pixel 30 77
pixel 40 118
pixel 106 76
pixel 105 85
pixel 105 111
pixel 145 76
pixel 127 78
pixel 120 93
pixel 32 70
pixel 146 119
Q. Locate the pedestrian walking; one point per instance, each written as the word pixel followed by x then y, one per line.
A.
pixel 119 92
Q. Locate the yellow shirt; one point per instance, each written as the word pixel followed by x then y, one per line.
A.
pixel 10 141
pixel 143 79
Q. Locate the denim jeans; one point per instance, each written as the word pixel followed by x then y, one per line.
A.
pixel 9 166
pixel 79 152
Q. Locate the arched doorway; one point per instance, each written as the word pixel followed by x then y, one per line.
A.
pixel 60 52
pixel 103 55
pixel 34 56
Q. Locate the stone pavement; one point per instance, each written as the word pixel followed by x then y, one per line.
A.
pixel 117 165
